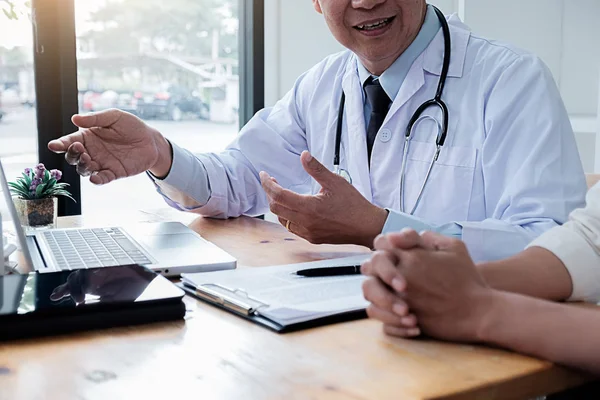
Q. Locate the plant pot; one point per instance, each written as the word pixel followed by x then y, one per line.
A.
pixel 38 213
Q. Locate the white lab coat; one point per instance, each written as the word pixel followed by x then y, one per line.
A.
pixel 509 169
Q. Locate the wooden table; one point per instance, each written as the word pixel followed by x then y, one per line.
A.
pixel 215 355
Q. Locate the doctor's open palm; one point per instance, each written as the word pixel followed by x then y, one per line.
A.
pixel 111 144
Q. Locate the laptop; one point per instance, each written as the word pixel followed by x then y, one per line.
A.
pixel 168 248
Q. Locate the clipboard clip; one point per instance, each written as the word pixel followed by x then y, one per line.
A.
pixel 236 300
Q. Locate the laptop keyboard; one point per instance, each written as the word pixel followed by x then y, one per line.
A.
pixel 91 248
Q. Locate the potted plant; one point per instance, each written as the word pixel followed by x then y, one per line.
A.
pixel 35 196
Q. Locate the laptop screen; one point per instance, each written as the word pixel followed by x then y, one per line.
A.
pixel 11 227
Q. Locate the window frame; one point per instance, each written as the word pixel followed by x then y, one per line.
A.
pixel 55 70
pixel 252 58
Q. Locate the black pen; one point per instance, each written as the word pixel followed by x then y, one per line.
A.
pixel 332 271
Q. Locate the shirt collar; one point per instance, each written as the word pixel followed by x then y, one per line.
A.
pixel 433 57
pixel 393 77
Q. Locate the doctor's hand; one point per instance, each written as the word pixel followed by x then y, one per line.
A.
pixel 338 214
pixel 113 144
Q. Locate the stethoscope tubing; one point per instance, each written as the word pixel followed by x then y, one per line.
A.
pixel 435 102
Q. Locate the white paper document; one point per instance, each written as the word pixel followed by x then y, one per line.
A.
pixel 281 295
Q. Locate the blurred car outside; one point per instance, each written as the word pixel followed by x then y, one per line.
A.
pixel 91 100
pixel 86 99
pixel 107 99
pixel 127 102
pixel 172 104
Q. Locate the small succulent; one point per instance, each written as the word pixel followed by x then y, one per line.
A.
pixel 39 183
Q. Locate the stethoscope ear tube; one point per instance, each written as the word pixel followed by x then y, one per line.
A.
pixel 441 139
pixel 338 131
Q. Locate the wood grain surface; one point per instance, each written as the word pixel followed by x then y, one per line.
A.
pixel 215 355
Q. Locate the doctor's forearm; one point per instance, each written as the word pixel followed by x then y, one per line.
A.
pixel 534 272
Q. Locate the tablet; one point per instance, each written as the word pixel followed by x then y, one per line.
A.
pixel 40 304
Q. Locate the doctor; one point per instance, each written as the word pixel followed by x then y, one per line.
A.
pixel 426 124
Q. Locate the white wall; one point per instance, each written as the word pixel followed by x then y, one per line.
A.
pixel 296 38
pixel 564 33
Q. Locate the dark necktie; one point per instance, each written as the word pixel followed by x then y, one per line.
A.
pixel 380 104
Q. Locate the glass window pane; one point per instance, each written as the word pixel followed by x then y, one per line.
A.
pixel 172 63
pixel 18 128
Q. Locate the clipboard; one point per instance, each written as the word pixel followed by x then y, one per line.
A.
pixel 241 304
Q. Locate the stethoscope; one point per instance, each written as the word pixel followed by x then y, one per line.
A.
pixel 418 115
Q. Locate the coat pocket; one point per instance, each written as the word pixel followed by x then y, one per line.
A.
pixel 447 193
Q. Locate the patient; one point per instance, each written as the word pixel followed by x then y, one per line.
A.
pixel 429 284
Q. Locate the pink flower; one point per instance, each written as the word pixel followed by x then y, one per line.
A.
pixel 34 184
pixel 56 174
pixel 27 171
pixel 39 170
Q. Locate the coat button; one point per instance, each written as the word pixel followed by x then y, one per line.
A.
pixel 385 135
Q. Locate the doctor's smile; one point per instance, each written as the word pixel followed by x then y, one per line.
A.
pixel 376 27
pixel 419 123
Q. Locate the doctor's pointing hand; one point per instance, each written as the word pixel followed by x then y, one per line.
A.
pixel 428 125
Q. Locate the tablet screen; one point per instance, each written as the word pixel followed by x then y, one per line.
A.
pixel 37 292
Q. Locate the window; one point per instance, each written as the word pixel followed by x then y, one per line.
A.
pixel 172 63
pixel 178 64
pixel 18 130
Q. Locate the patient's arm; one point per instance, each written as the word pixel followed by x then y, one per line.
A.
pixel 534 272
pixel 452 301
pixel 565 334
pixel 563 263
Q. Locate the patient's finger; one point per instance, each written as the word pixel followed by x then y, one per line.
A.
pixel 401 332
pixel 387 317
pixel 376 292
pixel 436 241
pixel 383 266
pixel 406 239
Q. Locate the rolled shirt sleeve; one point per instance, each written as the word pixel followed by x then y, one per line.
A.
pixel 577 245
